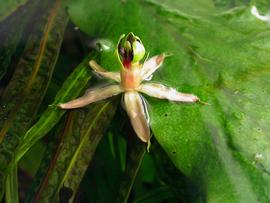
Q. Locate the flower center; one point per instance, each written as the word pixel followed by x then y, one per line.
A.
pixel 127 63
pixel 130 50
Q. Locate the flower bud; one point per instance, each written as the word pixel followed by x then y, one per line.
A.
pixel 130 50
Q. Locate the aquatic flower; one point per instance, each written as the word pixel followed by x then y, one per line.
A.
pixel 131 53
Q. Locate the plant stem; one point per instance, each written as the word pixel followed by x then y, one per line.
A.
pixel 135 153
pixel 12 195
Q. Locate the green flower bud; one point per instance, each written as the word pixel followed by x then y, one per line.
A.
pixel 130 50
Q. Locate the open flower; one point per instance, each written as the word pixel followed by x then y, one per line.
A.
pixel 131 52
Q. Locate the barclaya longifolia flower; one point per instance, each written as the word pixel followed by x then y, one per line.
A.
pixel 134 71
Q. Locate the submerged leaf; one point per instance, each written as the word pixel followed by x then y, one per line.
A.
pixel 12 28
pixel 83 130
pixel 70 89
pixel 9 6
pixel 25 91
pixel 135 153
pixel 12 193
pixel 223 57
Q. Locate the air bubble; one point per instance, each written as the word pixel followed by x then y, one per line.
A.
pixel 101 45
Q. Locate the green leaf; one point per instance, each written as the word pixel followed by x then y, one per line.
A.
pixel 105 171
pixel 135 153
pixel 11 32
pixel 156 195
pixel 223 57
pixel 12 193
pixel 70 90
pixel 81 135
pixel 46 161
pixel 72 87
pixel 26 89
pixel 32 163
pixel 29 83
pixel 10 6
pixel 166 175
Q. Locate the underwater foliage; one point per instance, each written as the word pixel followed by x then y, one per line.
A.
pixel 219 51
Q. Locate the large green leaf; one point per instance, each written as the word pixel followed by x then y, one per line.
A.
pixel 223 57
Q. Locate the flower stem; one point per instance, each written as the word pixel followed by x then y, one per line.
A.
pixel 135 153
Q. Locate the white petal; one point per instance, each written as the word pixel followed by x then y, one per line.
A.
pixel 151 65
pixel 92 95
pixel 101 71
pixel 254 11
pixel 162 92
pixel 137 112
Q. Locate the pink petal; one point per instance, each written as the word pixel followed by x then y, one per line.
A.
pixel 162 92
pixel 101 71
pixel 137 113
pixel 151 65
pixel 92 95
